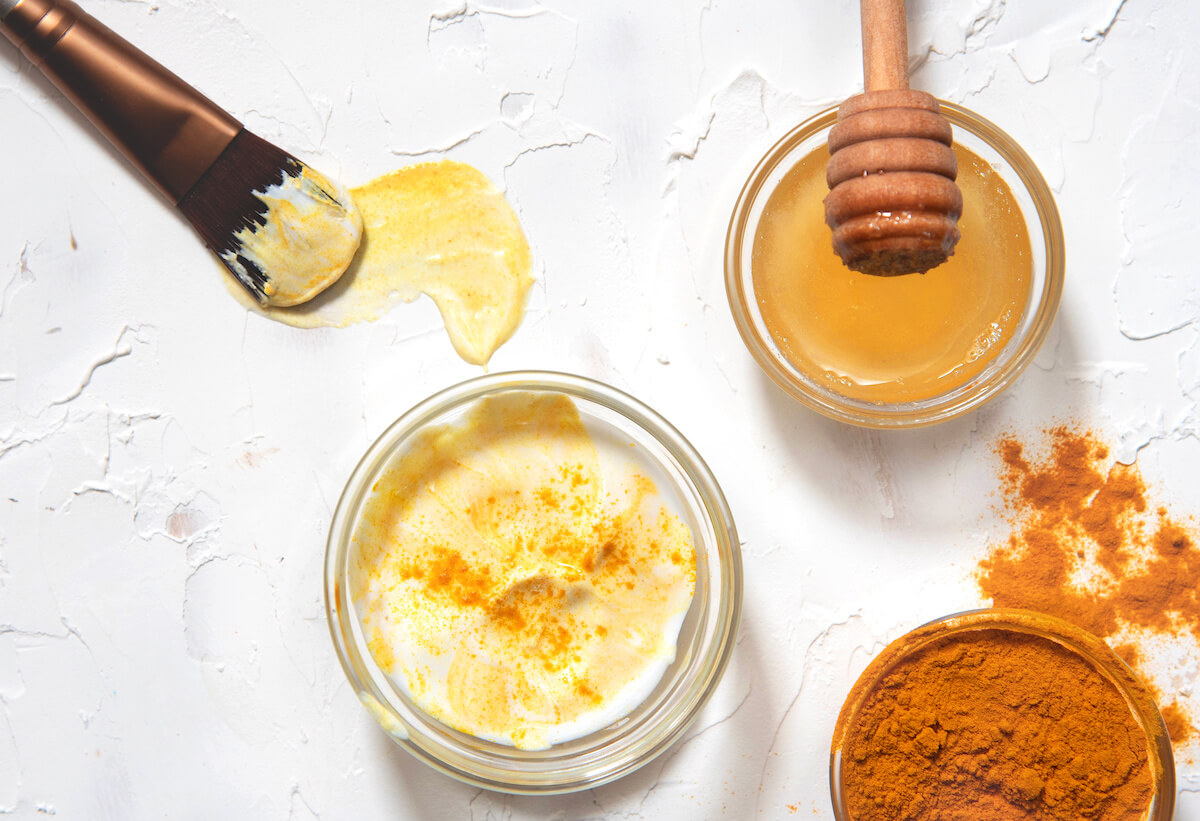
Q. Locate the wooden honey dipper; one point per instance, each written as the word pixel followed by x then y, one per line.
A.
pixel 893 204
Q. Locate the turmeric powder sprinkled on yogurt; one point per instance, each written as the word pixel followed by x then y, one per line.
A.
pixel 516 581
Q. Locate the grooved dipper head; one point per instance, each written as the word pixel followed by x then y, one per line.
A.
pixel 893 204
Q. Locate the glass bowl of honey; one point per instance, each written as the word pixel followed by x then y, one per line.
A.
pixel 1001 714
pixel 895 352
pixel 533 582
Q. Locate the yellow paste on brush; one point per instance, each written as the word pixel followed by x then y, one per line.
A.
pixel 517 586
pixel 437 228
pixel 309 236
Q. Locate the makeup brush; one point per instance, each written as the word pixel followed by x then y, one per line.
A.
pixel 285 231
pixel 893 204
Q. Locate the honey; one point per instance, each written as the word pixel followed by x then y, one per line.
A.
pixel 891 339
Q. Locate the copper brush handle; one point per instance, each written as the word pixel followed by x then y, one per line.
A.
pixel 170 131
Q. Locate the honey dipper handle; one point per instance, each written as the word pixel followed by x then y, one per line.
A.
pixel 885 45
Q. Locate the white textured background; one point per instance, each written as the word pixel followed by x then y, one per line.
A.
pixel 168 463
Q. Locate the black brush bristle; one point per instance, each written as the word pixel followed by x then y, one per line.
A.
pixel 223 202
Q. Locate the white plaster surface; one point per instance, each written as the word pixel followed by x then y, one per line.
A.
pixel 168 462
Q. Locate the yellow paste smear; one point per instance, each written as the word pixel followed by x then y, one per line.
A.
pixel 510 590
pixel 891 339
pixel 437 228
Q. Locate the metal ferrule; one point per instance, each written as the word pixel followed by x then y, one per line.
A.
pixel 166 128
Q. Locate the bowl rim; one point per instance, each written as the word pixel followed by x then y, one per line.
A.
pixel 955 402
pixel 1090 647
pixel 720 618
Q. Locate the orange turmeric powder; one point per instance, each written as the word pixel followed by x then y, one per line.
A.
pixel 995 725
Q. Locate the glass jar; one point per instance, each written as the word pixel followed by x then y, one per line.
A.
pixel 1036 204
pixel 705 640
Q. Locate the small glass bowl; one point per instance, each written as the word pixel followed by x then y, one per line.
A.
pixel 705 640
pixel 1031 193
pixel 1092 649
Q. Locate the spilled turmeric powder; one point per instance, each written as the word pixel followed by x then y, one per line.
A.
pixel 1086 545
